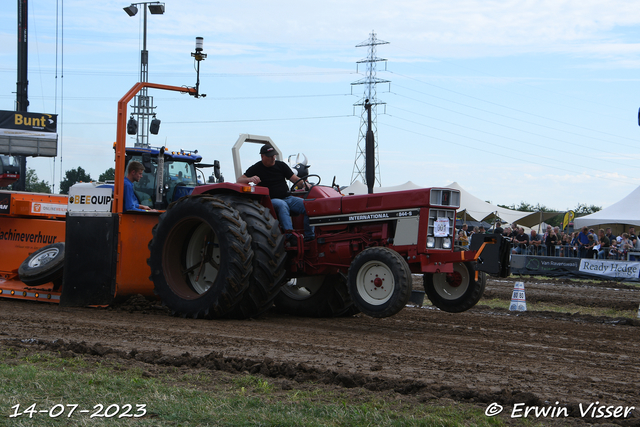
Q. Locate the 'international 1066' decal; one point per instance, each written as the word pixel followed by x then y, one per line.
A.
pixel 363 217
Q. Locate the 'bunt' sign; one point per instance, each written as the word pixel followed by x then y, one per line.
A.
pixel 28 134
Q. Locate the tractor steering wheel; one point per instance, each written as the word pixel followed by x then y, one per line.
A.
pixel 293 190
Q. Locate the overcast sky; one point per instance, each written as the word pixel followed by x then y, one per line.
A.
pixel 532 101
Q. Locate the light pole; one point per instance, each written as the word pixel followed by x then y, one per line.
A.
pixel 143 105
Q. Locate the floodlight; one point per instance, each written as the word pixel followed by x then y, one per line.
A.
pixel 131 10
pixel 155 126
pixel 132 126
pixel 156 8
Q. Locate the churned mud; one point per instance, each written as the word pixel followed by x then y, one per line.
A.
pixel 481 356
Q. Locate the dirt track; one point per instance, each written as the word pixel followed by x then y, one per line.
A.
pixel 480 356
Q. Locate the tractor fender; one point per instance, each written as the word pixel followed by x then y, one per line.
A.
pixel 260 194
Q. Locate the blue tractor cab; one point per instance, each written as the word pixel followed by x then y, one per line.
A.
pixel 168 175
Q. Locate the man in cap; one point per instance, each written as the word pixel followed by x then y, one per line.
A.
pixel 272 173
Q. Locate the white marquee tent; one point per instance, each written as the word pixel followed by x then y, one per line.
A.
pixel 624 212
pixel 471 207
pixel 480 210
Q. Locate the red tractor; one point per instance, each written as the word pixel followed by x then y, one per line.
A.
pixel 9 170
pixel 220 252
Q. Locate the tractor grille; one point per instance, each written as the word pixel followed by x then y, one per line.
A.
pixel 434 216
pixel 445 197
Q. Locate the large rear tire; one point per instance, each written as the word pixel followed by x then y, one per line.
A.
pixel 380 282
pixel 315 296
pixel 200 257
pixel 455 292
pixel 269 257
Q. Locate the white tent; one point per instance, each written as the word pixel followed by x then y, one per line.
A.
pixel 471 207
pixel 360 188
pixel 624 212
pixel 480 210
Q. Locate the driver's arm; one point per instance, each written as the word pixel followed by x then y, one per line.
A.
pixel 244 179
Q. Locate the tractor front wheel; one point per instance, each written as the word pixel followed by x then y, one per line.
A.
pixel 455 292
pixel 380 282
pixel 200 257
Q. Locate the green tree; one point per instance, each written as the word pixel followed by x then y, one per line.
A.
pixel 527 207
pixel 108 175
pixel 582 209
pixel 71 177
pixel 33 185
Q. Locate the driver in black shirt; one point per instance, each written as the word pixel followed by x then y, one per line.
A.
pixel 272 173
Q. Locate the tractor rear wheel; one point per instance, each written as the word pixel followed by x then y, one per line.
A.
pixel 43 266
pixel 269 257
pixel 315 296
pixel 455 292
pixel 200 257
pixel 380 282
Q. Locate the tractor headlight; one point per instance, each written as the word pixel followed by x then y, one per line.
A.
pixel 446 244
pixel 431 242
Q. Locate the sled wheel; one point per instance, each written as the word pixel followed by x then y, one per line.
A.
pixel 455 292
pixel 43 266
pixel 269 257
pixel 200 257
pixel 314 296
pixel 380 282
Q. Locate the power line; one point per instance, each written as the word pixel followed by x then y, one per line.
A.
pixel 509 127
pixel 226 121
pixel 471 147
pixel 513 109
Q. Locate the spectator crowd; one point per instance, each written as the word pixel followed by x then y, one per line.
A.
pixel 586 243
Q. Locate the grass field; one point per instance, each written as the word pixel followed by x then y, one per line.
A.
pixel 43 389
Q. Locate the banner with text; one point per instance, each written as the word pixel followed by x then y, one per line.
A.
pixel 28 134
pixel 618 269
pixel 575 267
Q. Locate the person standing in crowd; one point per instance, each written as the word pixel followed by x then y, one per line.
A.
pixel 535 242
pixel 464 229
pixel 604 245
pixel 463 239
pixel 523 241
pixel 632 236
pixel 567 249
pixel 544 240
pixel 583 241
pixel 610 235
pixel 514 230
pixel 550 241
pixel 576 244
pixel 623 246
pixel 498 228
pixel 591 251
